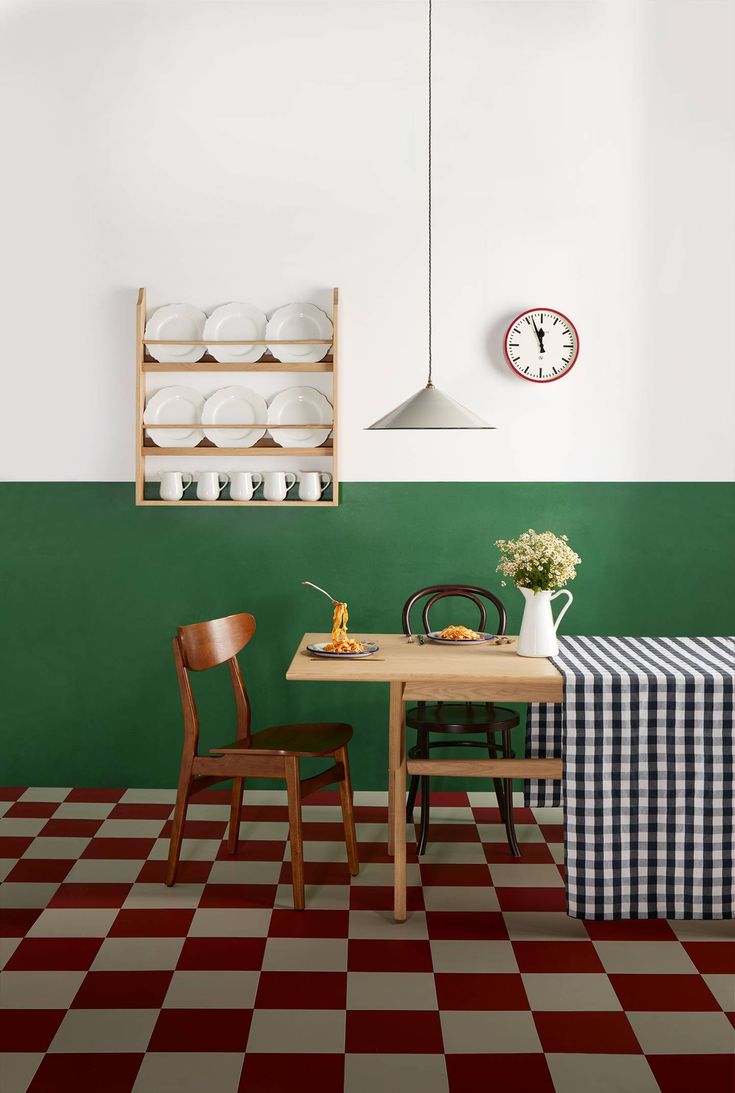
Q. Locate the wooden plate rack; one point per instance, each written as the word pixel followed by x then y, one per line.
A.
pixel 145 448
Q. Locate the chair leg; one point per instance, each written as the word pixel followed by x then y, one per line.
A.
pixel 423 750
pixel 499 785
pixel 508 788
pixel 177 827
pixel 424 828
pixel 233 833
pixel 419 751
pixel 413 790
pixel 509 825
pixel 293 787
pixel 348 816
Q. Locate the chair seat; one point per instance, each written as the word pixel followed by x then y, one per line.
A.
pixel 461 717
pixel 316 738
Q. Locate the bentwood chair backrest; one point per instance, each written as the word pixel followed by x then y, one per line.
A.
pixel 436 592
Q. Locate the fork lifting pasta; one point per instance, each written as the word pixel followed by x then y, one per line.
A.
pixel 340 643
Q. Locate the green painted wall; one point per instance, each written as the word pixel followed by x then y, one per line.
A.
pixel 93 588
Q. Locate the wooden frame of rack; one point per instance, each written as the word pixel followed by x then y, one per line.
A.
pixel 145 448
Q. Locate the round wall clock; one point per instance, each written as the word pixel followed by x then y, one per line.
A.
pixel 541 345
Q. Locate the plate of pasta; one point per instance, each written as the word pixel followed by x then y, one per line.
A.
pixel 459 635
pixel 324 649
pixel 340 644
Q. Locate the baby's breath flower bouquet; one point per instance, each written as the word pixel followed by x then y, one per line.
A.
pixel 540 562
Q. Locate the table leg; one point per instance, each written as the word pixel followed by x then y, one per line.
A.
pixel 397 797
pixel 391 792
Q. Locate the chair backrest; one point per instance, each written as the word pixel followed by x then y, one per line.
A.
pixel 435 592
pixel 204 645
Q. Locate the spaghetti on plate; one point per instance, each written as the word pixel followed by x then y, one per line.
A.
pixel 459 633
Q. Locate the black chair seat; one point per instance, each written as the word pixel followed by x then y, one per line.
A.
pixel 462 717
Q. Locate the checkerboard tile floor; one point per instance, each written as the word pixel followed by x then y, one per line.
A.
pixel 112 982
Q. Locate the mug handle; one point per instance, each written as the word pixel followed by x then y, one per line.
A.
pixel 565 608
pixel 187 474
pixel 325 475
pixel 259 483
pixel 293 479
pixel 223 479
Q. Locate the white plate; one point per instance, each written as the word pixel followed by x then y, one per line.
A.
pixel 433 635
pixel 175 405
pixel 239 405
pixel 176 322
pixel 319 651
pixel 296 321
pixel 236 322
pixel 294 406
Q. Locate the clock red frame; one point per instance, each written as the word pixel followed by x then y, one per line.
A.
pixel 531 311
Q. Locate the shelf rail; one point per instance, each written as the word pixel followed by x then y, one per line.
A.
pixel 244 425
pixel 252 341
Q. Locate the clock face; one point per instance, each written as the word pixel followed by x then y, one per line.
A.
pixel 541 345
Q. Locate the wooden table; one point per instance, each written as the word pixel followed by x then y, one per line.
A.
pixel 429 672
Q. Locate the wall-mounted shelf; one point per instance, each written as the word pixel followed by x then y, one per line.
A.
pixel 146 449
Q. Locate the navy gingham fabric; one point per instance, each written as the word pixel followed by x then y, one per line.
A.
pixel 646 734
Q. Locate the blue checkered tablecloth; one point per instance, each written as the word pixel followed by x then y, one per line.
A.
pixel 646 735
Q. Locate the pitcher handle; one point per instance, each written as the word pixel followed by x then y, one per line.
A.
pixel 292 482
pixel 565 608
pixel 325 475
pixel 184 476
pixel 259 483
pixel 223 480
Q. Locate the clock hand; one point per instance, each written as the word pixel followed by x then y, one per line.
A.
pixel 540 334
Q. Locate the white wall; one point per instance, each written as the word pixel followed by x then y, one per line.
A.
pixel 584 160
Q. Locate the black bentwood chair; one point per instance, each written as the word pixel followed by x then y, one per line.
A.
pixel 452 719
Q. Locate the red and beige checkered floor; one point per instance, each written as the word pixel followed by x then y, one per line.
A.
pixel 113 983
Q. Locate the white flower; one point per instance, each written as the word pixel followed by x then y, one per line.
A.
pixel 538 561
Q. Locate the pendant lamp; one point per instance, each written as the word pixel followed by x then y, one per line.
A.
pixel 429 408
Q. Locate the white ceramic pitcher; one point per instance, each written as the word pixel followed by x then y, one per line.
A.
pixel 243 484
pixel 173 484
pixel 276 484
pixel 312 484
pixel 210 484
pixel 538 629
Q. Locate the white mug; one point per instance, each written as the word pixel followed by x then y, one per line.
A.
pixel 173 484
pixel 277 485
pixel 243 484
pixel 312 484
pixel 210 484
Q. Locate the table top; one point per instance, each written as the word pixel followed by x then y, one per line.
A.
pixel 497 667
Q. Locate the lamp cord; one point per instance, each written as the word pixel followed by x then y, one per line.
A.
pixel 429 383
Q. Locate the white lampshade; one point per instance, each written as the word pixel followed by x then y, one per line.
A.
pixel 430 409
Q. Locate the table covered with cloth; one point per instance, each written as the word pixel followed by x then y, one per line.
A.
pixel 646 735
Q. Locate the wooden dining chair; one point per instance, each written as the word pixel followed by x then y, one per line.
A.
pixel 452 719
pixel 271 753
